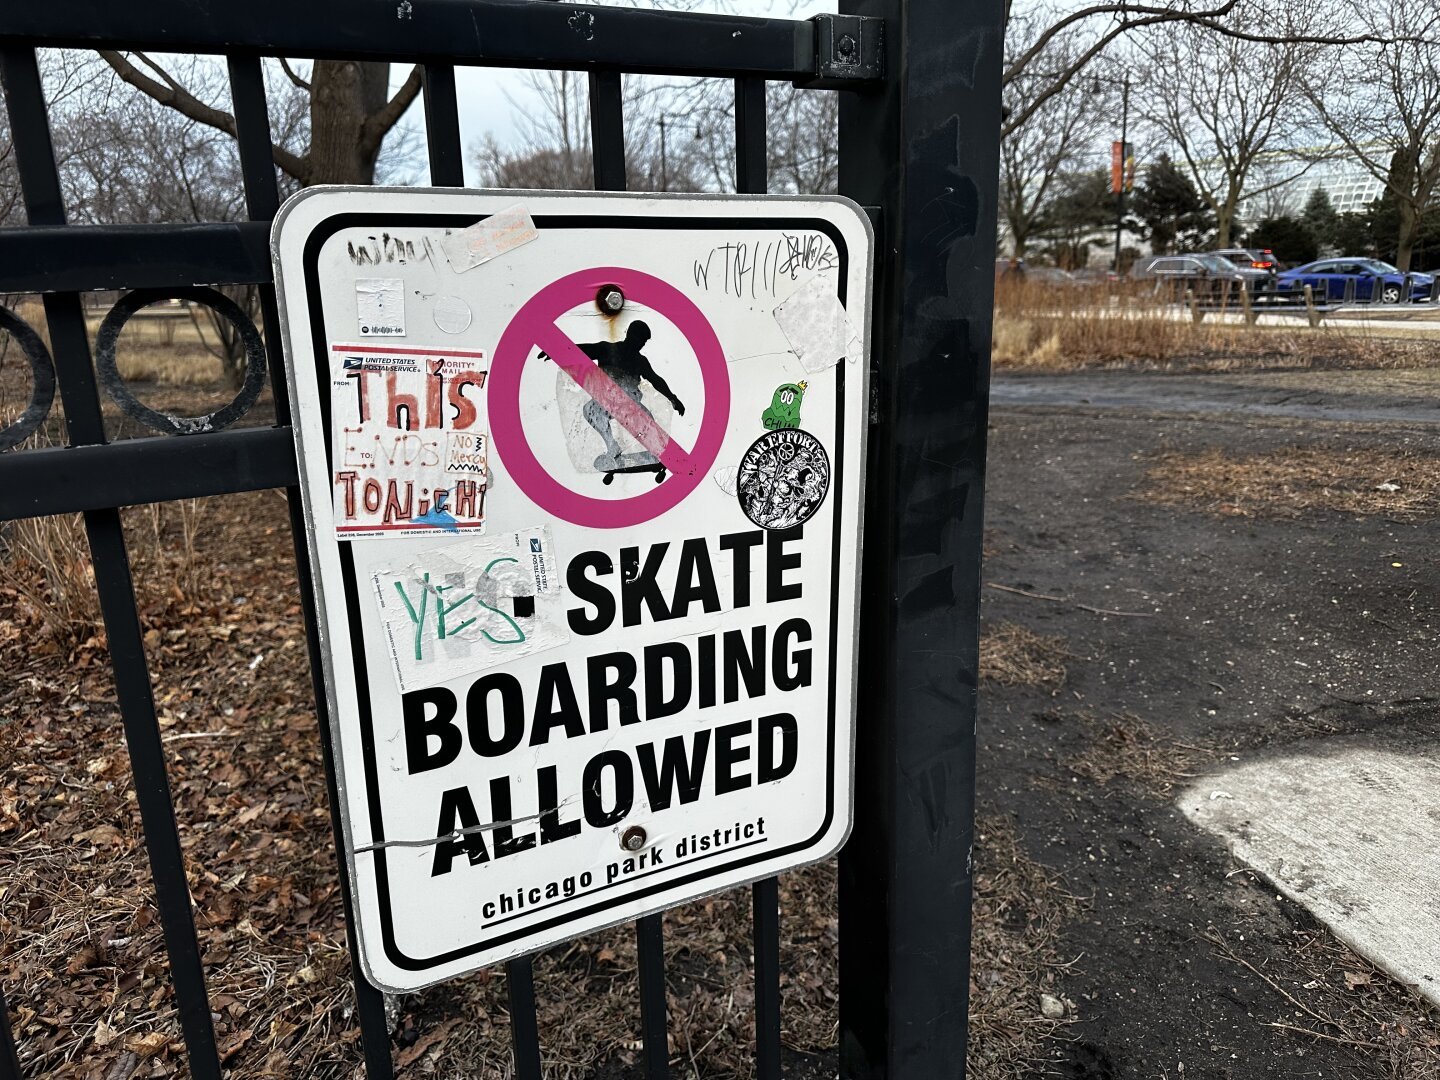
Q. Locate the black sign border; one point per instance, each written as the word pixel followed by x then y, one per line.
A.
pixel 322 232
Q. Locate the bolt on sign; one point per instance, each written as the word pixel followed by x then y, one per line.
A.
pixel 583 478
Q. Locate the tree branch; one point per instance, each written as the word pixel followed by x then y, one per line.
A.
pixel 378 125
pixel 173 95
pixel 294 78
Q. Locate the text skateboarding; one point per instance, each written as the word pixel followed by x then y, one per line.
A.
pixel 498 715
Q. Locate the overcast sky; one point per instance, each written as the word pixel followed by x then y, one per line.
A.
pixel 485 93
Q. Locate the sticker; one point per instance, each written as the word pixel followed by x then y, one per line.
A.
pixel 783 478
pixel 408 450
pixel 452 315
pixel 465 455
pixel 814 322
pixel 784 410
pixel 595 442
pixel 727 477
pixel 488 239
pixel 380 307
pixel 468 606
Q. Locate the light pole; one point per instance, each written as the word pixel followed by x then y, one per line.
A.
pixel 664 155
pixel 1124 166
pixel 1119 159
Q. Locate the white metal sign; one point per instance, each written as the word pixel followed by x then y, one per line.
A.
pixel 583 476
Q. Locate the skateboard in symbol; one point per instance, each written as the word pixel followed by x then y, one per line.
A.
pixel 643 461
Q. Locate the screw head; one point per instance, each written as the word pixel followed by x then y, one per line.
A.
pixel 633 838
pixel 845 47
pixel 610 299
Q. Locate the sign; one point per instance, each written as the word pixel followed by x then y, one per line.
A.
pixel 1122 167
pixel 583 478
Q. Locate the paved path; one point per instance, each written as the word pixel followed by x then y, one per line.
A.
pixel 1354 836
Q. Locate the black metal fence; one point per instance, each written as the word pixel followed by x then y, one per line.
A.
pixel 918 143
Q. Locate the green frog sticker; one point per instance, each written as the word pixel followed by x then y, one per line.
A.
pixel 784 410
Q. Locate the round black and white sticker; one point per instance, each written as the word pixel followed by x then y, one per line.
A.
pixel 783 478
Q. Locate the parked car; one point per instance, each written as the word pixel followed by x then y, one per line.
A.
pixel 1366 280
pixel 1091 276
pixel 1250 258
pixel 1050 275
pixel 1204 275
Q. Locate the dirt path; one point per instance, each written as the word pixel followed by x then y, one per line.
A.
pixel 1258 637
pixel 1361 397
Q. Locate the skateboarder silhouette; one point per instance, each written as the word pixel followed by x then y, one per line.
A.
pixel 624 362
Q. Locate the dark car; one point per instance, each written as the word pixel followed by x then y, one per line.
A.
pixel 1051 275
pixel 1250 258
pixel 1368 280
pixel 1203 275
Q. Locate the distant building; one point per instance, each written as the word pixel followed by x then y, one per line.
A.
pixel 1349 184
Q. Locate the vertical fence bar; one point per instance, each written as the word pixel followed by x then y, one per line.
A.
pixel 751 178
pixel 9 1055
pixel 262 200
pixel 524 1027
pixel 765 917
pixel 924 147
pixel 650 941
pixel 751 153
pixel 70 343
pixel 442 126
pixel 607 130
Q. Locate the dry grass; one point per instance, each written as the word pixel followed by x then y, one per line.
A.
pixel 1122 747
pixel 1050 330
pixel 175 366
pixel 46 578
pixel 1298 480
pixel 1011 655
pixel 1020 911
pixel 1325 992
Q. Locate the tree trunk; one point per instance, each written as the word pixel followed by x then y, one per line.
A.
pixel 1225 218
pixel 1405 238
pixel 343 93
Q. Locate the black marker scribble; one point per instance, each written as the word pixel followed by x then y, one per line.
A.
pixel 751 269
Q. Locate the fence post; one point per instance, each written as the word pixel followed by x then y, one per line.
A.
pixel 1312 314
pixel 1247 306
pixel 924 148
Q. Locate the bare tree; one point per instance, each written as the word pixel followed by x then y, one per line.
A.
pixel 1035 154
pixel 1383 105
pixel 1224 104
pixel 1085 33
pixel 680 136
pixel 129 158
pixel 351 112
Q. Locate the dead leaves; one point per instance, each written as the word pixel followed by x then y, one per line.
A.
pixel 1298 480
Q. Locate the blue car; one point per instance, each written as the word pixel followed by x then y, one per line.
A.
pixel 1365 280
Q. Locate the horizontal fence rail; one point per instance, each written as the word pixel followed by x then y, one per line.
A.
pixel 102 258
pixel 494 33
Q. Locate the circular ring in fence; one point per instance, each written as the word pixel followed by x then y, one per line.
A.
pixel 42 380
pixel 250 387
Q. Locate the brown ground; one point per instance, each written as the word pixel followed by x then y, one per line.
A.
pixel 1275 596
pixel 1179 588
